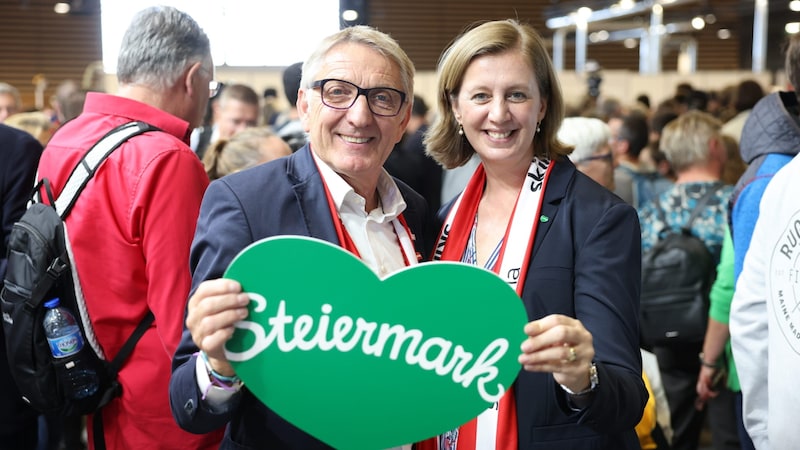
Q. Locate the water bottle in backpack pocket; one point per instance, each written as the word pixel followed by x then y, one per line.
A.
pixel 66 342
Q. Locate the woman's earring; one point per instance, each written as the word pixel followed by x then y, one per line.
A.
pixel 460 130
pixel 538 127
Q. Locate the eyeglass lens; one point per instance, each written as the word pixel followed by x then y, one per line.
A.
pixel 339 94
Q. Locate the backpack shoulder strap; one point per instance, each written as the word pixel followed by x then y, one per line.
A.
pixel 701 204
pixel 698 208
pixel 127 347
pixel 114 366
pixel 95 156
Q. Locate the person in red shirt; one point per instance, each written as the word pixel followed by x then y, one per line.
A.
pixel 131 230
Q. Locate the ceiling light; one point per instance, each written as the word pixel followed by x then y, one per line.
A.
pixel 598 36
pixel 724 33
pixel 350 15
pixel 792 27
pixel 61 8
pixel 698 23
pixel 628 4
pixel 794 5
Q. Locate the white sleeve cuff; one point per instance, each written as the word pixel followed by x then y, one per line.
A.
pixel 215 397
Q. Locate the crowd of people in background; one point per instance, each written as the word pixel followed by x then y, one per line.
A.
pixel 617 177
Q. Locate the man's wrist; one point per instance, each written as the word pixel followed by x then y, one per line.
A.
pixel 218 379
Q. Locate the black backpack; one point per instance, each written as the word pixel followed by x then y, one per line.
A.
pixel 677 274
pixel 40 267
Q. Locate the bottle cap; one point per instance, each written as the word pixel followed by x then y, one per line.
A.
pixel 52 303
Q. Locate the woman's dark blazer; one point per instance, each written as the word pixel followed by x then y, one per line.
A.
pixel 586 263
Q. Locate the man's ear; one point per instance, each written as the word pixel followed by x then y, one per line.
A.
pixel 191 78
pixel 717 149
pixel 302 108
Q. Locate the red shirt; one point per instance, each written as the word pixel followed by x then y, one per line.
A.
pixel 130 232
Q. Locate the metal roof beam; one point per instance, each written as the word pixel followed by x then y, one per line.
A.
pixel 614 12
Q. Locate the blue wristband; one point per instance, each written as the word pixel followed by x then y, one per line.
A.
pixel 216 375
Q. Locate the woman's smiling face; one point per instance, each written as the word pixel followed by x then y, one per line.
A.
pixel 499 106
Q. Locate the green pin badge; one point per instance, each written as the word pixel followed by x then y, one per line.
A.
pixel 544 218
pixel 364 363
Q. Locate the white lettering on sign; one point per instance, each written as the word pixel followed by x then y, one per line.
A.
pixel 434 353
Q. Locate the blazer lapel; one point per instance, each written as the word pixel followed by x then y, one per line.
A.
pixel 310 192
pixel 554 193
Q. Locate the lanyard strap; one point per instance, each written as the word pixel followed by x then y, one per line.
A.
pixel 401 231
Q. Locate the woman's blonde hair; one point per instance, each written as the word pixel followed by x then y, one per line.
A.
pixel 442 140
pixel 243 150
pixel 36 123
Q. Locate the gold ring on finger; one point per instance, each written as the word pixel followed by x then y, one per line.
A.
pixel 572 355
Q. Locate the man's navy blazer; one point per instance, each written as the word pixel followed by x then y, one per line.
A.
pixel 282 197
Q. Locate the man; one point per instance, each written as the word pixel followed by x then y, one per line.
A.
pixel 68 101
pixel 769 142
pixel 236 109
pixel 288 124
pixel 131 228
pixel 354 102
pixel 692 144
pixel 20 153
pixel 630 135
pixel 10 101
pixel 592 155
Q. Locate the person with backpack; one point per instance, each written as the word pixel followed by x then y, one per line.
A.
pixel 20 153
pixel 131 227
pixel 634 183
pixel 697 202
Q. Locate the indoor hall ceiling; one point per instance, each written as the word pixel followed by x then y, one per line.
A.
pixel 426 27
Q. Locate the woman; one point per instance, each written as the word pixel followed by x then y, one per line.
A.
pixel 567 247
pixel 247 148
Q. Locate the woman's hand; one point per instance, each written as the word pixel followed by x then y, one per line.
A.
pixel 562 346
pixel 213 309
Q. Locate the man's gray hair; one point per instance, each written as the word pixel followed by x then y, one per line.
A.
pixel 370 37
pixel 158 46
pixel 586 134
pixel 8 89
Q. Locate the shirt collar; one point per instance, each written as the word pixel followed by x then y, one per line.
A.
pixel 135 110
pixel 345 197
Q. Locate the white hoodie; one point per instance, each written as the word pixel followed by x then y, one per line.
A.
pixel 765 317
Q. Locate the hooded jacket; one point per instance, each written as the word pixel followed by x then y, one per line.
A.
pixel 770 139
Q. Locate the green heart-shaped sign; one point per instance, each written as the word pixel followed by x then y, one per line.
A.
pixel 364 363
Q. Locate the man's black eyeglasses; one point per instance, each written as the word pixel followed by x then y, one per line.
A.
pixel 340 94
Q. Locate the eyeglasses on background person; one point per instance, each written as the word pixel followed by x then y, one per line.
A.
pixel 604 156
